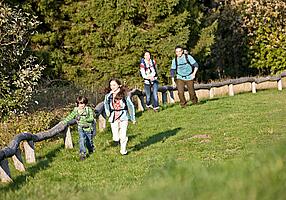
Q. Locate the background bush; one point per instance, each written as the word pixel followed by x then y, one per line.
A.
pixel 19 69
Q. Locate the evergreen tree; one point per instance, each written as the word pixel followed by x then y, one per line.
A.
pixel 243 38
pixel 93 40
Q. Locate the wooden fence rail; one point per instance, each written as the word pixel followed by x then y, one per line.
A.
pixel 167 95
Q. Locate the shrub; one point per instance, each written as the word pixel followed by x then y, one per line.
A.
pixel 19 69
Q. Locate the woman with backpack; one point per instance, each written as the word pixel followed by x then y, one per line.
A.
pixel 148 71
pixel 119 108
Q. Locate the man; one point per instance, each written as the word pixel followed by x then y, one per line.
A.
pixel 185 67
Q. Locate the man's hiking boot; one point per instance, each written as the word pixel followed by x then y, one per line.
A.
pixel 184 105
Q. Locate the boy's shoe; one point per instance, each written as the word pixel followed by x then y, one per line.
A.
pixel 82 156
pixel 91 151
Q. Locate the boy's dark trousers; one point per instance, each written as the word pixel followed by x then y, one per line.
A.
pixel 181 91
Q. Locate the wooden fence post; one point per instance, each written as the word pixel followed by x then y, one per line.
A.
pixel 68 139
pixel 140 104
pixel 253 87
pixel 5 175
pixel 230 90
pixel 170 95
pixel 101 123
pixel 279 84
pixel 211 93
pixel 29 151
pixel 18 161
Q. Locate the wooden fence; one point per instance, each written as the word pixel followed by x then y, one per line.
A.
pixel 167 94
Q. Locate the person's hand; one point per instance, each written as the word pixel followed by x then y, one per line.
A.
pixel 134 122
pixel 150 77
pixel 193 76
pixel 77 118
pixel 174 84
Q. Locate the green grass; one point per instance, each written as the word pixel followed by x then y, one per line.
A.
pixel 243 156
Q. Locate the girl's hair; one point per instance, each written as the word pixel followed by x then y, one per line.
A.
pixel 147 52
pixel 179 47
pixel 82 100
pixel 122 92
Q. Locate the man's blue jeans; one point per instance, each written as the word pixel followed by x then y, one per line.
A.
pixel 154 93
pixel 85 140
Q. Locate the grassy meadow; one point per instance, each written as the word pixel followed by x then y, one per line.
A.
pixel 223 148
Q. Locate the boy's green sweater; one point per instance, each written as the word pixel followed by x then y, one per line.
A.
pixel 85 116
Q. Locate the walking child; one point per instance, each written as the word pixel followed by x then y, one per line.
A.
pixel 84 117
pixel 119 108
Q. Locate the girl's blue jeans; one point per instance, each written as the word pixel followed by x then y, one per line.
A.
pixel 152 89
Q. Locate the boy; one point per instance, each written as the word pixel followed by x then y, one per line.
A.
pixel 83 115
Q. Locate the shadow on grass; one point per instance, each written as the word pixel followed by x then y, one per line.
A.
pixel 111 144
pixel 203 101
pixel 155 138
pixel 189 103
pixel 32 171
pixel 138 114
pixel 131 137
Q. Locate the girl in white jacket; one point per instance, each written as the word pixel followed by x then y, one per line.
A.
pixel 119 109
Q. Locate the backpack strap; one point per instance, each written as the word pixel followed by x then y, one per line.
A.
pixel 187 59
pixel 110 100
pixel 156 71
pixel 145 67
pixel 176 62
pixel 188 62
pixel 84 111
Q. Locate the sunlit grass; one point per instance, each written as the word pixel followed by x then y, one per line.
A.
pixel 225 148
